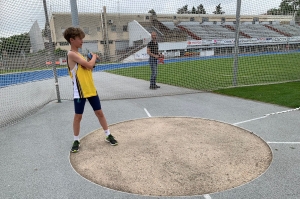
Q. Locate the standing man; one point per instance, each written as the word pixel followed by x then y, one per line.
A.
pixel 152 51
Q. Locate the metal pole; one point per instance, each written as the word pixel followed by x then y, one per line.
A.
pixel 236 46
pixel 75 18
pixel 106 44
pixel 74 12
pixel 50 48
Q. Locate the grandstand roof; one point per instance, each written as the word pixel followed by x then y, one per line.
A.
pixel 197 17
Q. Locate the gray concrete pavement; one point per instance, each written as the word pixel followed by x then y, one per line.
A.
pixel 35 151
pixel 110 86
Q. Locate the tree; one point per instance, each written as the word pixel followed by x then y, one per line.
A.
pixel 274 11
pixel 15 44
pixel 60 53
pixel 44 33
pixel 193 10
pixel 200 9
pixel 152 12
pixel 286 7
pixel 295 4
pixel 218 10
pixel 183 10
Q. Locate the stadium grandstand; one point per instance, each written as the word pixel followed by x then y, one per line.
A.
pixel 123 37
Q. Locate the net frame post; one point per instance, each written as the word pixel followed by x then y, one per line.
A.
pixel 50 49
pixel 236 46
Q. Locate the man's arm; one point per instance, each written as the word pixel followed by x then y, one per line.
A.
pixel 75 58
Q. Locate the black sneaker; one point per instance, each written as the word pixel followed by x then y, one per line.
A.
pixel 111 140
pixel 156 86
pixel 75 147
pixel 153 87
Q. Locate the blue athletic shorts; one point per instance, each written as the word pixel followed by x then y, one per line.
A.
pixel 80 102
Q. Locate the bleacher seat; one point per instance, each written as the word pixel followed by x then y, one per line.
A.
pixel 292 30
pixel 208 30
pixel 169 24
pixel 258 30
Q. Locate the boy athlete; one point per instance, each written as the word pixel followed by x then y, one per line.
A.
pixel 84 89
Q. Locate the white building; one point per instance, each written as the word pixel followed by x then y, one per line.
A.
pixel 36 38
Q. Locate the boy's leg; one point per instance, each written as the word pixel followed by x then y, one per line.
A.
pixel 95 103
pixel 79 108
pixel 76 124
pixel 102 119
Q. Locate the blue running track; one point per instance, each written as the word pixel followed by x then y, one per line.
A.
pixel 24 77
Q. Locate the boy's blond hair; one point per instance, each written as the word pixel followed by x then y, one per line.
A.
pixel 72 32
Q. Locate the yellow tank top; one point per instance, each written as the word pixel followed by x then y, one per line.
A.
pixel 83 83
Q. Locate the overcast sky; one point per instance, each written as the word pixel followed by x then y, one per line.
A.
pixel 17 16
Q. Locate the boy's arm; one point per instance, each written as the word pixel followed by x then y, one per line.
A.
pixel 87 64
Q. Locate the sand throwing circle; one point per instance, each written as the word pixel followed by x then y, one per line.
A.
pixel 172 156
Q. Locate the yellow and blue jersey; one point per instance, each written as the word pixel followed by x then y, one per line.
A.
pixel 83 83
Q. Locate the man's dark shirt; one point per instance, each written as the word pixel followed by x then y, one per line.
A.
pixel 153 47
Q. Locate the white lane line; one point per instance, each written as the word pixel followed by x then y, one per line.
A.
pixel 147 112
pixel 206 196
pixel 269 114
pixel 250 120
pixel 283 142
pixel 295 109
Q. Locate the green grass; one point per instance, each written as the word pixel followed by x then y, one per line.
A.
pixel 218 73
pixel 284 94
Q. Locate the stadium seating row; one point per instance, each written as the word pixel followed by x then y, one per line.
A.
pixel 221 31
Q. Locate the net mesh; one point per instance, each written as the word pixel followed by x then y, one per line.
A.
pixel 196 40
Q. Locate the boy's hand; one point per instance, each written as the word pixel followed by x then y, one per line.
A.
pixel 97 58
pixel 91 55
